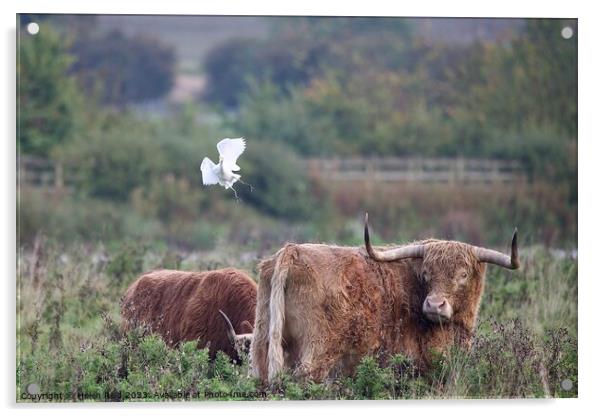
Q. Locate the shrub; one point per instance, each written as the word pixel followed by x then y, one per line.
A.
pixel 279 182
pixel 110 164
pixel 371 381
pixel 127 262
pixel 167 199
pixel 71 218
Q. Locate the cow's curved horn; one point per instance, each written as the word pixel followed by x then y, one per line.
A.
pixel 230 329
pixel 498 258
pixel 410 251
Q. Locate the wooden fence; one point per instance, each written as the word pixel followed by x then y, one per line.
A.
pixel 442 170
pixel 39 172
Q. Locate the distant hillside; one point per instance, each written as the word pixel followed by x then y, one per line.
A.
pixel 466 30
pixel 192 36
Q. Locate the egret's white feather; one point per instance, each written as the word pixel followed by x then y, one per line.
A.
pixel 222 172
pixel 230 150
pixel 208 169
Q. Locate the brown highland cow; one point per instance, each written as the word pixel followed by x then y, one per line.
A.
pixel 217 308
pixel 321 308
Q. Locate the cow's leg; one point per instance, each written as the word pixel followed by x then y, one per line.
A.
pixel 317 363
pixel 318 341
pixel 314 321
pixel 319 355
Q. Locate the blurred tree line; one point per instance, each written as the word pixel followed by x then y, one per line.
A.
pixel 315 86
pixel 364 86
pixel 359 86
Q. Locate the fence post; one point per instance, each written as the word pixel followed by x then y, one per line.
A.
pixel 21 172
pixel 58 175
pixel 460 168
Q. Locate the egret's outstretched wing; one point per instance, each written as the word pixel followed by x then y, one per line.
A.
pixel 230 150
pixel 209 177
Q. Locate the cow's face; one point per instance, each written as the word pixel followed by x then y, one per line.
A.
pixel 242 344
pixel 452 273
pixel 453 278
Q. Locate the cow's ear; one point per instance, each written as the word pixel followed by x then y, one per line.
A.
pixel 246 327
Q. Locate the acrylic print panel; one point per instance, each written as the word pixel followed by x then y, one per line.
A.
pixel 192 199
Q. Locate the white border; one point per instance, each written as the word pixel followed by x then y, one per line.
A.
pixel 589 208
pixel 508 8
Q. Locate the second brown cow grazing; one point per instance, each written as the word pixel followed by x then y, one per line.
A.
pixel 183 306
pixel 321 308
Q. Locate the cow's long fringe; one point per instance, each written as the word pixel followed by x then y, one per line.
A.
pixel 275 352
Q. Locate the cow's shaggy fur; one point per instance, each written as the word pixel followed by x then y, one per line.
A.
pixel 321 308
pixel 183 306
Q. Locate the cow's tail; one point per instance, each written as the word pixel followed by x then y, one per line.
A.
pixel 277 310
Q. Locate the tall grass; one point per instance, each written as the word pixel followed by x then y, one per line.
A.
pixel 480 213
pixel 69 340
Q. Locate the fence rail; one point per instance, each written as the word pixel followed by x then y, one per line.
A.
pixel 446 170
pixel 39 172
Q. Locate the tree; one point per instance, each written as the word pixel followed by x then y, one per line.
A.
pixel 48 99
pixel 549 63
pixel 228 66
pixel 129 69
pixel 530 82
pixel 301 49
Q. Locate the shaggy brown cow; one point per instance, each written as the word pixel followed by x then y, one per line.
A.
pixel 183 306
pixel 321 308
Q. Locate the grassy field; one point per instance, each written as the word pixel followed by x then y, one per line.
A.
pixel 70 348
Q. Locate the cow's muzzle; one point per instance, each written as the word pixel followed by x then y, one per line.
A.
pixel 437 309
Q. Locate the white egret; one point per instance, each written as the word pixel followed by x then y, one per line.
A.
pixel 223 173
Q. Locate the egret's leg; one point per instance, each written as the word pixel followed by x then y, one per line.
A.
pixel 248 185
pixel 235 194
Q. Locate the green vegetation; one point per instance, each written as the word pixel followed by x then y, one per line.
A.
pixel 395 95
pixel 346 87
pixel 119 61
pixel 47 100
pixel 70 342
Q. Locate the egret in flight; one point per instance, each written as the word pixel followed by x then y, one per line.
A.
pixel 223 173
